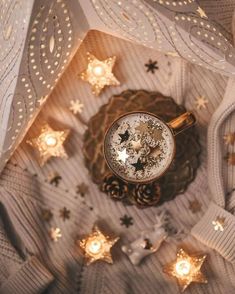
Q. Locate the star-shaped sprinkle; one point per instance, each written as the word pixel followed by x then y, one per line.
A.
pixel 65 214
pixel 229 139
pixel 122 155
pixel 136 145
pixel 47 215
pixel 55 234
pixel 97 246
pixel 230 157
pixel 126 221
pixel 201 12
pixel 54 179
pixel 49 143
pixel 151 66
pixel 157 135
pixel 195 206
pixel 76 106
pixel 186 269
pixel 124 137
pixel 155 152
pixel 219 224
pixel 82 189
pixel 138 165
pixel 99 73
pixel 201 102
pixel 142 127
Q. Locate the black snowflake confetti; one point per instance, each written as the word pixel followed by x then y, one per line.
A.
pixel 126 221
pixel 151 66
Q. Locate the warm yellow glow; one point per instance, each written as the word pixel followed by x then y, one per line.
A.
pixel 183 267
pixel 98 70
pixel 50 140
pixel 94 246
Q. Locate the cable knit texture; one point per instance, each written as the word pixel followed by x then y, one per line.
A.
pixel 34 263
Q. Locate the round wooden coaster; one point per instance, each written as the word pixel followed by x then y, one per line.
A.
pixel 175 180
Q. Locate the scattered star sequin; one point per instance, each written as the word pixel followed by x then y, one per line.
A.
pixel 186 269
pixel 99 73
pixel 82 189
pixel 97 246
pixel 126 221
pixel 124 137
pixel 195 206
pixel 229 139
pixel 201 102
pixel 122 155
pixel 65 214
pixel 201 12
pixel 55 234
pixel 219 224
pixel 138 165
pixel 47 215
pixel 151 66
pixel 76 106
pixel 49 143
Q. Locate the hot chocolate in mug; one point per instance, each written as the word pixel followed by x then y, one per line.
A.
pixel 139 146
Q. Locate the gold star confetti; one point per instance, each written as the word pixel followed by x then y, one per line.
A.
pixel 65 213
pixel 201 102
pixel 136 145
pixel 157 134
pixel 195 206
pixel 230 157
pixel 76 106
pixel 47 215
pixel 97 246
pixel 55 234
pixel 186 269
pixel 229 139
pixel 219 224
pixel 155 152
pixel 99 73
pixel 82 189
pixel 201 12
pixel 142 127
pixel 122 155
pixel 49 143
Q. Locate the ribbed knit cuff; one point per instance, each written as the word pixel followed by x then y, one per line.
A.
pixel 31 278
pixel 222 239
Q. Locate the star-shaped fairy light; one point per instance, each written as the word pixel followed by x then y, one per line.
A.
pixel 55 234
pixel 229 139
pixel 122 155
pixel 97 246
pixel 99 73
pixel 49 143
pixel 219 224
pixel 201 102
pixel 186 269
pixel 201 12
pixel 76 106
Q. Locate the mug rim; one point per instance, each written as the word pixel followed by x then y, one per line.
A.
pixel 139 181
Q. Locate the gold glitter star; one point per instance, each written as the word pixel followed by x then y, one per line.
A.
pixel 99 73
pixel 201 12
pixel 49 143
pixel 136 145
pixel 229 138
pixel 155 152
pixel 76 106
pixel 201 102
pixel 122 155
pixel 55 234
pixel 65 213
pixel 230 157
pixel 195 206
pixel 142 127
pixel 186 269
pixel 97 246
pixel 219 224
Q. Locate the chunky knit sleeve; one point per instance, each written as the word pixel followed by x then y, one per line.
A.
pixel 20 272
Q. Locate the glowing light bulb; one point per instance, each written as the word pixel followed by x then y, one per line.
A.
pixel 95 246
pixel 51 141
pixel 183 267
pixel 98 71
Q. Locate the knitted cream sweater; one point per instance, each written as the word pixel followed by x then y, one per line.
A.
pixel 31 263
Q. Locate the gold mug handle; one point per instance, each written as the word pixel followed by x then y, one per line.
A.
pixel 182 122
